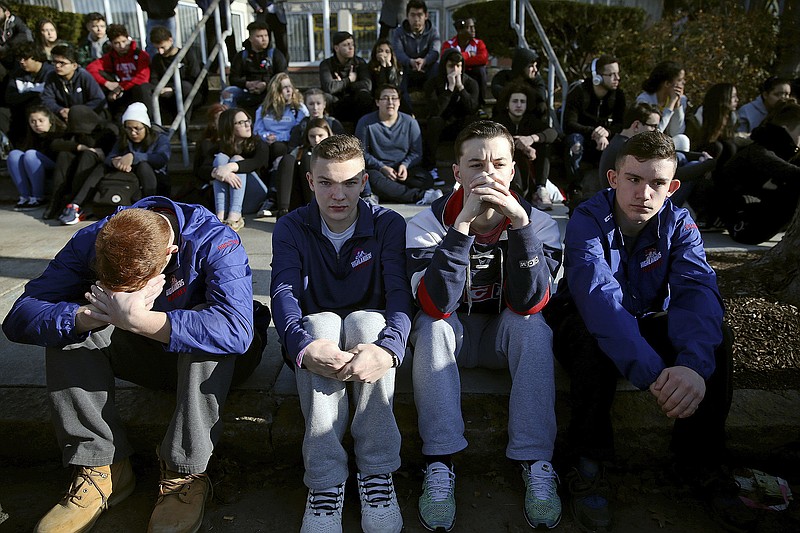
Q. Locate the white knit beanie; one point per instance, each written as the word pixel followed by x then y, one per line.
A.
pixel 137 111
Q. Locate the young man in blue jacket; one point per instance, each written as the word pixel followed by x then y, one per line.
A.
pixel 343 312
pixel 481 262
pixel 640 300
pixel 159 294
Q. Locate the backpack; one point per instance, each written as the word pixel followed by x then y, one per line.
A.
pixel 118 188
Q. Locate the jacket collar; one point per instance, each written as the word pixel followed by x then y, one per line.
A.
pixel 364 223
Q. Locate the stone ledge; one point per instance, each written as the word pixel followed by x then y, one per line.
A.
pixel 262 425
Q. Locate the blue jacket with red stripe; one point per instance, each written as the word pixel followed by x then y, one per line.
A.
pixel 208 295
pixel 665 269
pixel 452 272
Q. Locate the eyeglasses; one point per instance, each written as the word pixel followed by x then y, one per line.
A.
pixel 389 98
pixel 134 129
pixel 62 63
pixel 245 122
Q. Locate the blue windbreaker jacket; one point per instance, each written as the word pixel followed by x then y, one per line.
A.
pixel 666 271
pixel 369 272
pixel 210 270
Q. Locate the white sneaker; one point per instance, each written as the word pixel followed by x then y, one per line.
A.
pixel 429 196
pixel 541 199
pixel 380 512
pixel 324 511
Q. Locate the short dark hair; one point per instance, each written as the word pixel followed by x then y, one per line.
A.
pixel 257 25
pixel 647 146
pixel 28 49
pixel 664 71
pixel 338 148
pixel 640 111
pixel 603 60
pixel 159 34
pixel 772 82
pixel 482 129
pixel 117 30
pixel 384 86
pixel 416 4
pixel 66 51
pixel 91 17
pixel 4 6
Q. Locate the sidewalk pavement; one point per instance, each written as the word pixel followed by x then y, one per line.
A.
pixel 263 419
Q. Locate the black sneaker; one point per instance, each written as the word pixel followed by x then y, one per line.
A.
pixel 20 206
pixel 33 203
pixel 589 501
pixel 720 492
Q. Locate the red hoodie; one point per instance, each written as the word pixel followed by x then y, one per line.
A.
pixel 132 69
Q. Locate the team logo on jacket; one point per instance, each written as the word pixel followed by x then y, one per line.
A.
pixel 360 258
pixel 176 288
pixel 652 259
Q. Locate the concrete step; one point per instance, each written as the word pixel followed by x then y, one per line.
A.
pixel 263 419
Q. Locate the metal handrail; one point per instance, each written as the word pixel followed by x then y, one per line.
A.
pixel 517 18
pixel 173 72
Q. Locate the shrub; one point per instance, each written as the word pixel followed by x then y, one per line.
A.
pixel 714 46
pixel 69 25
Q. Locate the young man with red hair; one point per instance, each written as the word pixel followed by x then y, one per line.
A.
pixel 159 294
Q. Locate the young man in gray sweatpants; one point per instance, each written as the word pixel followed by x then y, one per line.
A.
pixel 343 312
pixel 481 261
pixel 159 294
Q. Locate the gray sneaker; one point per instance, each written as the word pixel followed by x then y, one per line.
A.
pixel 437 505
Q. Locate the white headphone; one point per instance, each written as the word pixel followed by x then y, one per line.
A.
pixel 597 79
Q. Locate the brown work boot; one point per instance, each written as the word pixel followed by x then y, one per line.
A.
pixel 93 490
pixel 181 502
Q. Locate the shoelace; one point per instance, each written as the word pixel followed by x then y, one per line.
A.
pixel 541 481
pixel 377 489
pixel 82 476
pixel 176 486
pixel 325 502
pixel 440 481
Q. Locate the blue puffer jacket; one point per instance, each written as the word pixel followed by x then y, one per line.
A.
pixel 210 269
pixel 665 271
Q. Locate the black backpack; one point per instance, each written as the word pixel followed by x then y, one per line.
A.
pixel 118 188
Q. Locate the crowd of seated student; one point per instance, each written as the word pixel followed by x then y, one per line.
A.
pixel 451 73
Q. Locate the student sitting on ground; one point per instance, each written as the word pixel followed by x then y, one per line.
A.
pixel 140 156
pixel 80 151
pixel 24 88
pixel 342 309
pixel 241 155
pixel 28 165
pixel 759 188
pixel 122 71
pixel 639 300
pixel 70 85
pixel 532 139
pixel 393 151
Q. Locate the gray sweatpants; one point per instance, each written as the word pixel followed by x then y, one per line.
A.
pixel 80 384
pixel 522 343
pixel 325 406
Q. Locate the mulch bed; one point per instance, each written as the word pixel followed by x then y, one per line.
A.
pixel 766 347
